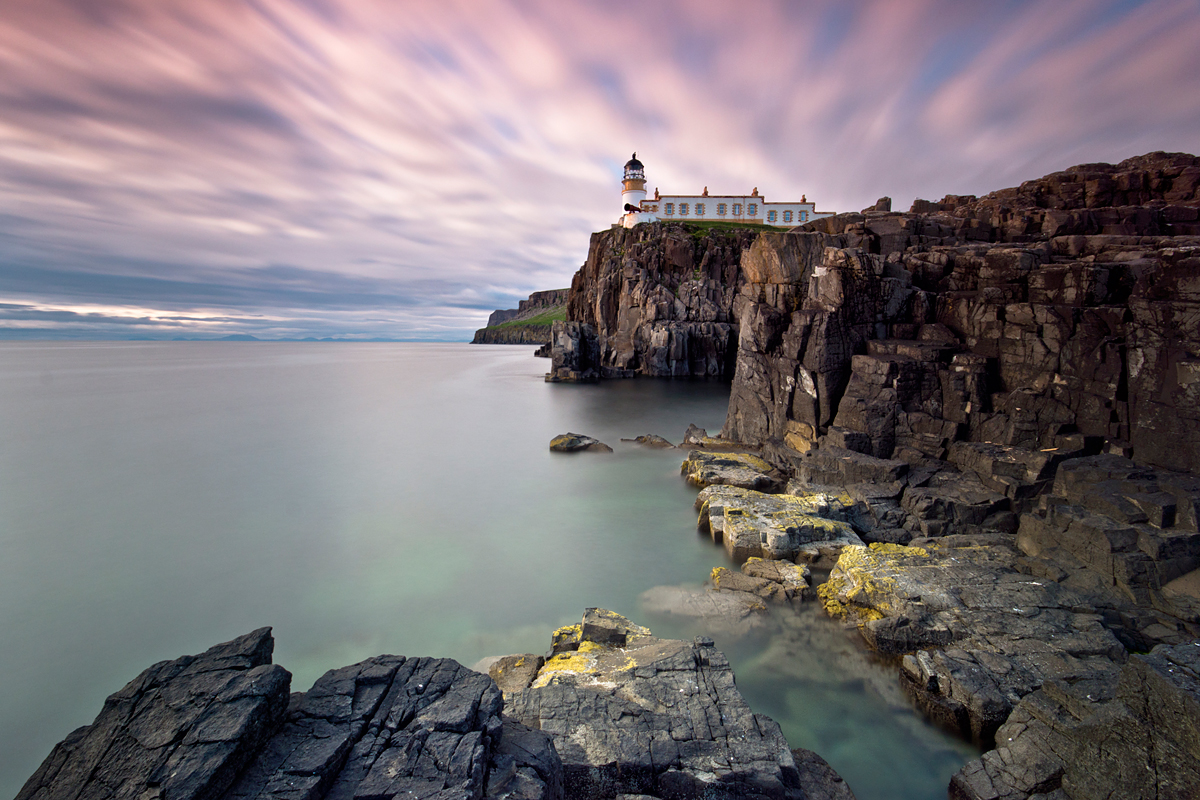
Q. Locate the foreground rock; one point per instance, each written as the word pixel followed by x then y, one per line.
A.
pixel 614 711
pixel 220 725
pixel 576 442
pixel 182 729
pixel 633 714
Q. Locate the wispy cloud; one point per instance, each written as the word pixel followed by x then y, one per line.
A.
pixel 403 168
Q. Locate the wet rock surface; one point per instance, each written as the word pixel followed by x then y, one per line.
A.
pixel 652 440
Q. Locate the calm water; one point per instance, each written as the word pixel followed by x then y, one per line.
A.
pixel 158 498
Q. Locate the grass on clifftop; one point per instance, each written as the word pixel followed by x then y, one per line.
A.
pixel 547 317
pixel 722 225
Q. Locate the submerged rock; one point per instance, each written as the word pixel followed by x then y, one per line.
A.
pixel 651 440
pixel 730 613
pixel 575 442
pixel 750 523
pixel 744 470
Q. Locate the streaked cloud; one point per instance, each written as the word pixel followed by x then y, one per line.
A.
pixel 370 168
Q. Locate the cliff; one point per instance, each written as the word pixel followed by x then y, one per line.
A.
pixel 661 298
pixel 1062 312
pixel 529 323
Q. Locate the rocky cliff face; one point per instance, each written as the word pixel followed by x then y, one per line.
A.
pixel 1035 317
pixel 660 298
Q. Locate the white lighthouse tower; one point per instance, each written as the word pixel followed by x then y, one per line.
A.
pixel 633 194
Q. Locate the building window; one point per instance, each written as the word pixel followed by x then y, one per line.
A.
pixel 721 207
pixel 804 216
pixel 683 209
pixel 670 208
pixel 754 209
pixel 787 216
pixel 737 209
pixel 699 209
pixel 771 216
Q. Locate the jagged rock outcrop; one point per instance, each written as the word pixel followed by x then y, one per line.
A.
pixel 976 635
pixel 614 711
pixel 1035 317
pixel 220 725
pixel 182 729
pixel 776 526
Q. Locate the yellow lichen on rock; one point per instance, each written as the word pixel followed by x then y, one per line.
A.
pixel 566 638
pixel 566 665
pixel 859 586
pixel 898 549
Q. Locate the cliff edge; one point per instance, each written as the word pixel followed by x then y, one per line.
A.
pixel 1062 312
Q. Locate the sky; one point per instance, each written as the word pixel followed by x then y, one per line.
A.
pixel 398 169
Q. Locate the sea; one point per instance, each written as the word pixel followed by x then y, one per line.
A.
pixel 157 498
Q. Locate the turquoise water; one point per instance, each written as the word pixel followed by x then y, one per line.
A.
pixel 157 498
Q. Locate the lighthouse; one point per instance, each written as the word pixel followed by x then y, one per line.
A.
pixel 633 194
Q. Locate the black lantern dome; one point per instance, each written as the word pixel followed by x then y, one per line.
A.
pixel 634 169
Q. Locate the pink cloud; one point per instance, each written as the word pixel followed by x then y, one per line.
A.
pixel 477 142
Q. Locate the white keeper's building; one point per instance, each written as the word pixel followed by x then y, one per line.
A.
pixel 751 207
